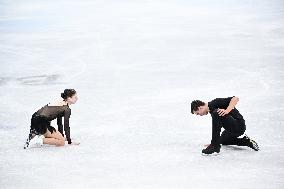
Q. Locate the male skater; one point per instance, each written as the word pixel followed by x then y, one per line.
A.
pixel 224 114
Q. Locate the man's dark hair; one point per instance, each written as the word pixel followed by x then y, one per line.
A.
pixel 196 104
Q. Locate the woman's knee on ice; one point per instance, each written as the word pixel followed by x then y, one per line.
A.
pixel 59 140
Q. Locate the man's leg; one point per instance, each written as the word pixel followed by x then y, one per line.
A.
pixel 228 138
pixel 231 125
pixel 215 146
pixel 233 129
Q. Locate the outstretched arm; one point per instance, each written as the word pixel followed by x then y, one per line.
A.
pixel 67 114
pixel 231 106
pixel 67 128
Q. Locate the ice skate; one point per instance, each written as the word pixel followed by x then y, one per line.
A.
pixel 211 150
pixel 36 141
pixel 251 143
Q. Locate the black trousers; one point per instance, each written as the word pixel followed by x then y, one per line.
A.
pixel 233 129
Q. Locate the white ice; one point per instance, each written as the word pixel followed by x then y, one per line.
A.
pixel 137 65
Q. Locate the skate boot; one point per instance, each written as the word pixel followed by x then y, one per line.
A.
pixel 211 150
pixel 251 143
pixel 36 141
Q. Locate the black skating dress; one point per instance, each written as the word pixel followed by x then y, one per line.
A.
pixel 41 119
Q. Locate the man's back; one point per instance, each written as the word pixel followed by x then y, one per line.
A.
pixel 223 103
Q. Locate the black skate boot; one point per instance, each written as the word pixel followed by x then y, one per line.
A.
pixel 211 150
pixel 251 143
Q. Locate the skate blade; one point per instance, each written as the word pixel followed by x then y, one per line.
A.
pixel 213 154
pixel 254 145
pixel 26 144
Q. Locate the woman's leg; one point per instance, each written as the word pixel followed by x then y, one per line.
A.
pixel 54 138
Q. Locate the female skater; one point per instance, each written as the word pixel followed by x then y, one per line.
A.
pixel 41 132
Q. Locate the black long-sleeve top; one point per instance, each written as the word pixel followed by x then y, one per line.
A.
pixel 224 103
pixel 57 112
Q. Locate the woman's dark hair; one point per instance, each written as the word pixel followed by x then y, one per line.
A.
pixel 196 104
pixel 68 93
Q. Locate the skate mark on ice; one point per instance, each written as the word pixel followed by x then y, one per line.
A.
pixel 33 80
pixel 6 127
pixel 4 80
pixel 39 80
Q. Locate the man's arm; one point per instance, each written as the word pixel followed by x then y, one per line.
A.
pixel 231 106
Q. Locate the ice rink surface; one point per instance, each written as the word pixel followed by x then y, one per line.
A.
pixel 136 66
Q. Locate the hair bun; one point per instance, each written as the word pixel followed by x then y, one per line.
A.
pixel 68 93
pixel 63 95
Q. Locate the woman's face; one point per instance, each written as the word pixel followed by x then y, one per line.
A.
pixel 73 99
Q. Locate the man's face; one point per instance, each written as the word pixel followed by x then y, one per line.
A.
pixel 201 111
